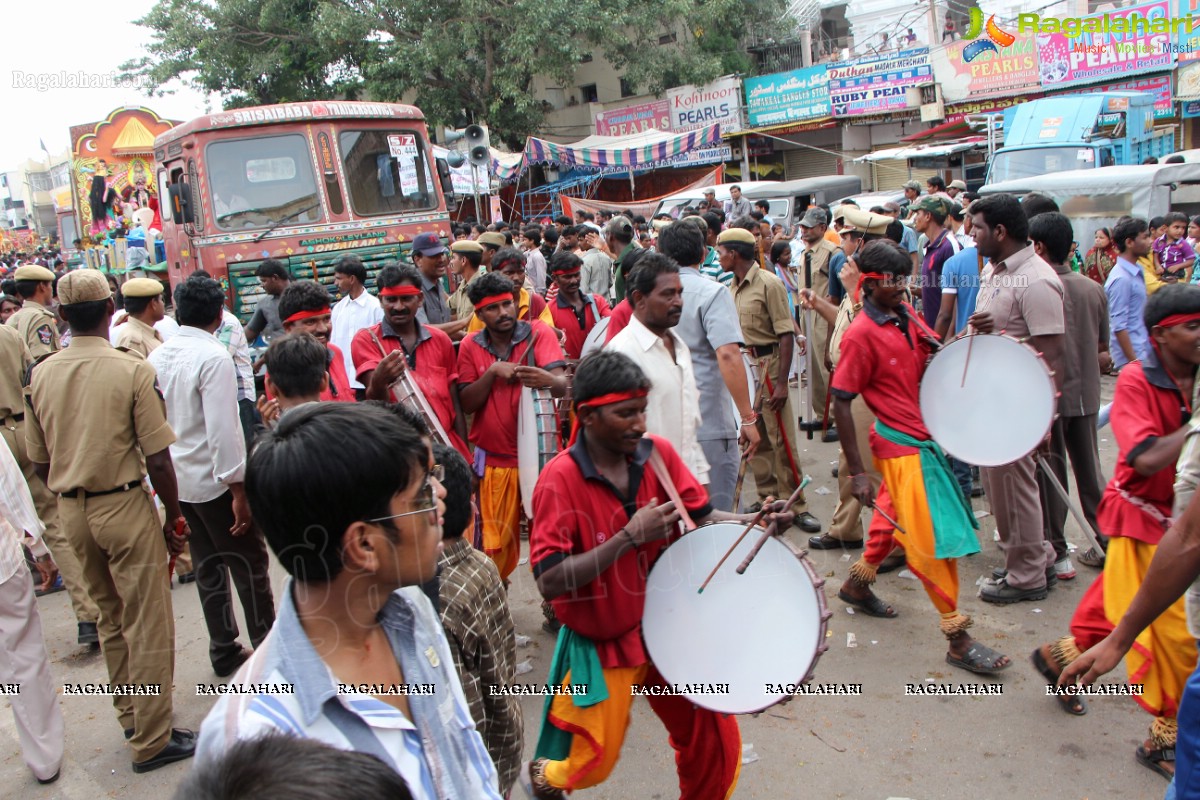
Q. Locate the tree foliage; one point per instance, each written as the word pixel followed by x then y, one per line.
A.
pixel 457 60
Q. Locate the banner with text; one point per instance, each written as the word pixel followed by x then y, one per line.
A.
pixel 788 96
pixel 694 107
pixel 1157 85
pixel 877 85
pixel 1011 70
pixel 1091 57
pixel 634 119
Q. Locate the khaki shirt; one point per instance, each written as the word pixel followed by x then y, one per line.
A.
pixel 95 439
pixel 1023 295
pixel 846 313
pixel 137 337
pixel 38 327
pixel 821 253
pixel 14 366
pixel 460 304
pixel 762 307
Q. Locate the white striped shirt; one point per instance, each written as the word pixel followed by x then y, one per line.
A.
pixel 438 753
pixel 17 514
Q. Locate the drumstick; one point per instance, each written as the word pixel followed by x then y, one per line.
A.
pixel 1086 526
pixel 757 518
pixel 884 514
pixel 967 362
pixel 770 531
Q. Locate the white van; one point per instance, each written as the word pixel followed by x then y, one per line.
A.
pixel 675 204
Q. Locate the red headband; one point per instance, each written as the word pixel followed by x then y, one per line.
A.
pixel 604 400
pixel 403 290
pixel 566 272
pixel 491 299
pixel 1177 319
pixel 869 276
pixel 299 315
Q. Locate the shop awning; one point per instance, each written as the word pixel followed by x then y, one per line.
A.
pixel 947 130
pixel 925 151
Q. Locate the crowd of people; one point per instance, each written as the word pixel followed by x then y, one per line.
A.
pixel 671 349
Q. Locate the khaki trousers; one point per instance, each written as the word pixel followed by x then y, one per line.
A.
pixel 770 464
pixel 847 517
pixel 23 661
pixel 47 508
pixel 1012 490
pixel 817 374
pixel 123 553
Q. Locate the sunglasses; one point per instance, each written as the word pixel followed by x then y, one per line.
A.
pixel 425 501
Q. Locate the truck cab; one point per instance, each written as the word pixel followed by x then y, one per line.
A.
pixel 303 183
pixel 1057 134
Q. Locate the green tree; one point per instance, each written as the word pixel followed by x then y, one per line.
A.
pixel 457 60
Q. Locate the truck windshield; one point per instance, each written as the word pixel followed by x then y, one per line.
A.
pixel 255 183
pixel 386 172
pixel 1036 161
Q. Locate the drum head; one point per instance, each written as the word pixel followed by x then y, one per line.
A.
pixel 746 633
pixel 1000 413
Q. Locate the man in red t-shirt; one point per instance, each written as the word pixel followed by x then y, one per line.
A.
pixel 598 526
pixel 883 358
pixel 304 308
pixel 493 365
pixel 1150 419
pixel 400 343
pixel 575 314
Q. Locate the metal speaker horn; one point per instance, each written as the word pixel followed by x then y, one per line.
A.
pixel 478 145
pixel 455 159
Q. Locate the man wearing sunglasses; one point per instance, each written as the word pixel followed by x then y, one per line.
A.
pixel 357 658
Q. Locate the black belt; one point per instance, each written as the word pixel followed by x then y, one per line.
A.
pixel 761 350
pixel 14 417
pixel 83 493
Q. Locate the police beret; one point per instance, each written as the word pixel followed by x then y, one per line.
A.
pixel 493 239
pixel 466 246
pixel 33 272
pixel 83 286
pixel 142 287
pixel 866 222
pixel 735 235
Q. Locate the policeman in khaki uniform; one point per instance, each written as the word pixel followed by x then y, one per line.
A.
pixel 465 262
pixel 15 360
pixel 144 306
pixel 90 447
pixel 762 307
pixel 34 320
pixel 824 256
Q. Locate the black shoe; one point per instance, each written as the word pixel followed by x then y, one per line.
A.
pixel 183 732
pixel 186 577
pixel 230 666
pixel 51 779
pixel 754 509
pixel 976 490
pixel 178 748
pixel 807 523
pixel 834 472
pixel 1002 594
pixel 830 435
pixel 88 633
pixel 57 586
pixel 827 542
pixel 1000 573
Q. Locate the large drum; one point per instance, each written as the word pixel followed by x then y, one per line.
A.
pixel 537 440
pixel 747 641
pixel 996 413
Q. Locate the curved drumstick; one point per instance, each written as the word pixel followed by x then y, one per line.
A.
pixel 884 514
pixel 757 518
pixel 770 531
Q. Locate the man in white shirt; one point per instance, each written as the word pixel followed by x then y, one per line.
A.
pixel 357 309
pixel 673 409
pixel 199 382
pixel 535 262
pixel 23 659
pixel 596 275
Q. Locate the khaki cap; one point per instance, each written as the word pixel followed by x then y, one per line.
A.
pixel 466 246
pixel 33 272
pixel 142 287
pixel 865 221
pixel 492 238
pixel 83 286
pixel 736 235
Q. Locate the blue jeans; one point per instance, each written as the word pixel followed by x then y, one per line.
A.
pixel 1186 784
pixel 962 474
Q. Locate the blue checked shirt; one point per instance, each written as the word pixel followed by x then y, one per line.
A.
pixel 438 752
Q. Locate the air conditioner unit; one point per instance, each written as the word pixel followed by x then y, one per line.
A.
pixel 928 98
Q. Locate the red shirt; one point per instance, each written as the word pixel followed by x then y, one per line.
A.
pixel 1146 405
pixel 494 427
pixel 576 325
pixel 575 510
pixel 433 363
pixel 537 304
pixel 884 364
pixel 621 314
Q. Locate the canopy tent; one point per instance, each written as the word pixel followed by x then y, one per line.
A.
pixel 648 148
pixel 926 151
pixel 643 207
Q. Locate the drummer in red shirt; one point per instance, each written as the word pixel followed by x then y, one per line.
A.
pixel 304 308
pixel 1150 419
pixel 493 365
pixel 400 342
pixel 575 313
pixel 883 357
pixel 601 518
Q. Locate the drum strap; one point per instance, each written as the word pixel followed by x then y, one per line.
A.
pixel 660 471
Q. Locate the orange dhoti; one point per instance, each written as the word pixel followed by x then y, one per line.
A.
pixel 500 508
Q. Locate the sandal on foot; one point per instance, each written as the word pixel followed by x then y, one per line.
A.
pixel 1154 759
pixel 979 659
pixel 891 563
pixel 870 605
pixel 1071 703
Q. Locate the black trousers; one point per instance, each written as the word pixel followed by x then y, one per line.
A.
pixel 218 556
pixel 1077 437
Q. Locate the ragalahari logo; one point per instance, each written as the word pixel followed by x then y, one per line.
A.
pixel 996 37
